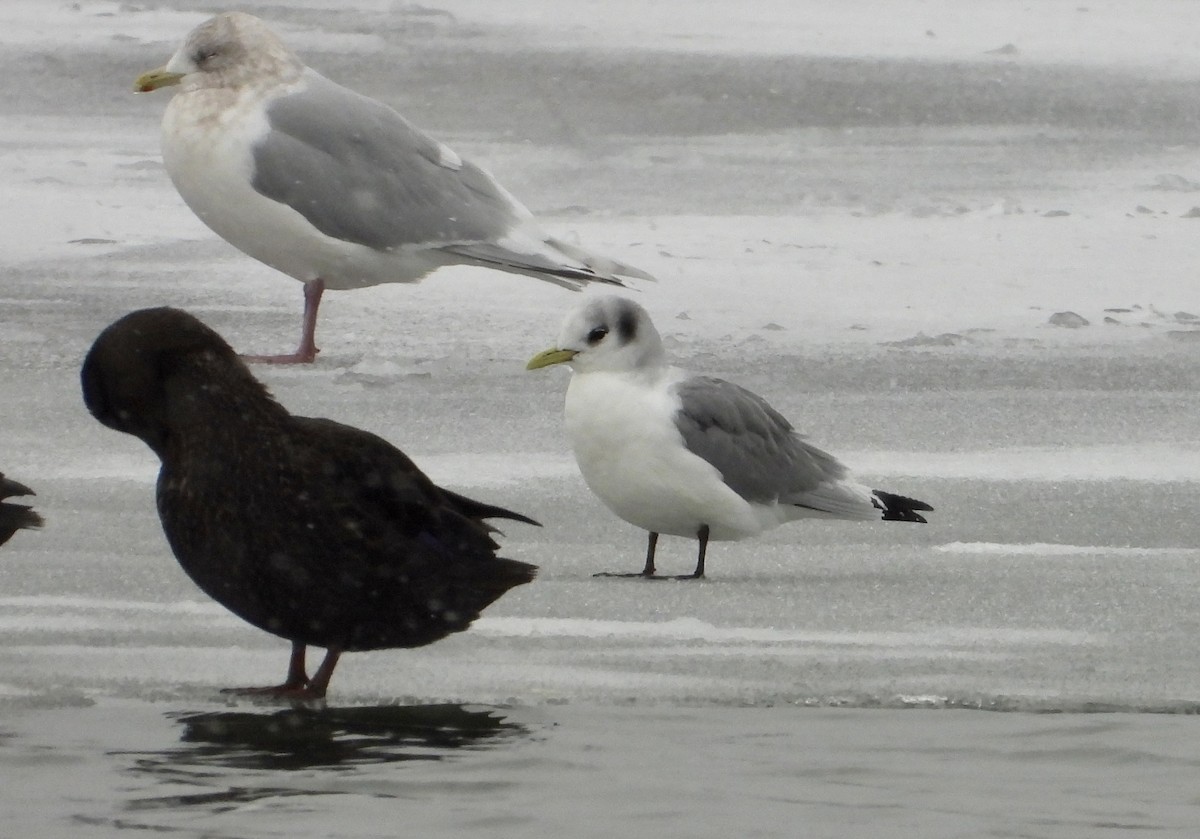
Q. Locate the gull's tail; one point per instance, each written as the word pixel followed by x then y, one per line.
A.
pixel 899 507
pixel 604 268
pixel 551 259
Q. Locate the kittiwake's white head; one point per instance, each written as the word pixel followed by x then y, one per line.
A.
pixel 609 333
pixel 230 50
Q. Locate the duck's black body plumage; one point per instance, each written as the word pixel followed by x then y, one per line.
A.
pixel 14 517
pixel 318 532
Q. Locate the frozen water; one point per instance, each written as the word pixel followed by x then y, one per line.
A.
pixel 865 214
pixel 1049 549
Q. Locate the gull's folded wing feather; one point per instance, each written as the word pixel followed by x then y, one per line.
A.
pixel 758 453
pixel 360 172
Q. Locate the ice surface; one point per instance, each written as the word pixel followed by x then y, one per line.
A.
pixel 1050 549
pixel 1151 462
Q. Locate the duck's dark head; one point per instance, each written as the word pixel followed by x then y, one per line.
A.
pixel 131 374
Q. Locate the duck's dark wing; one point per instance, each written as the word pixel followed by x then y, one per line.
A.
pixel 369 469
pixel 363 551
pixel 479 511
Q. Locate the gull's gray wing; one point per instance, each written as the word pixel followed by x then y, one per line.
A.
pixel 360 172
pixel 756 450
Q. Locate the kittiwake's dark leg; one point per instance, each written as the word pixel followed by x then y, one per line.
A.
pixel 698 574
pixel 651 547
pixel 648 570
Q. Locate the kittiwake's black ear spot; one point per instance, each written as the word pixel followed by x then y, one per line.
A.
pixel 627 322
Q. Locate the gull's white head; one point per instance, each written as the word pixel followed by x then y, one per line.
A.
pixel 610 333
pixel 228 51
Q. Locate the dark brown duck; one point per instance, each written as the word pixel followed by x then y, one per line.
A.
pixel 318 532
pixel 14 517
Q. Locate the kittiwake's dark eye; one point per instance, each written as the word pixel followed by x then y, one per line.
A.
pixel 597 335
pixel 204 54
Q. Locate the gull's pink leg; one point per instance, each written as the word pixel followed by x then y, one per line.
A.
pixel 306 353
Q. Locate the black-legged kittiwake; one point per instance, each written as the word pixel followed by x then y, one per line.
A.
pixel 688 455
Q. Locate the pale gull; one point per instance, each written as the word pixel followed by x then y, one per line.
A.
pixel 330 187
pixel 688 455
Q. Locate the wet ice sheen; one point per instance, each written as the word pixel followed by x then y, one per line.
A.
pixel 587 771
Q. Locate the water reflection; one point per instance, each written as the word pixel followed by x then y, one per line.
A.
pixel 304 738
pixel 234 757
pixel 231 758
